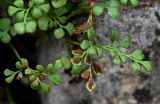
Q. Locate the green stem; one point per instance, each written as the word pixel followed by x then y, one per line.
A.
pixel 90 70
pixel 73 42
pixel 109 48
pixel 26 14
pixel 129 57
pixel 84 53
pixel 79 10
pixel 58 22
pixel 15 51
pixel 10 99
pixel 106 47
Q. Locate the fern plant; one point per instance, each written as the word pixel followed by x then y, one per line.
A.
pixel 27 17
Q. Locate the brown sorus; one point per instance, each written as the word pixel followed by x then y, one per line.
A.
pixel 32 77
pixel 82 28
pixel 87 59
pixel 19 76
pixel 97 69
pixel 85 74
pixel 77 51
pixel 76 60
pixel 90 82
pixel 42 76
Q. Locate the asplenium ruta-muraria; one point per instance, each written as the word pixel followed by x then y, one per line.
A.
pixel 54 17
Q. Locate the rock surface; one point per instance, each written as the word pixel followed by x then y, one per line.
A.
pixel 119 85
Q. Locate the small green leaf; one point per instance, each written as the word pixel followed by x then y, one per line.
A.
pixel 58 65
pixel 124 2
pixel 115 43
pixel 24 63
pixel 35 84
pixel 99 52
pixel 18 65
pixel 12 32
pixel 37 13
pixel 147 65
pixel 92 50
pixel 38 1
pixel 10 78
pixel 20 15
pixel 19 3
pixel 59 33
pixel 126 42
pixel 113 12
pixel 62 19
pixel 12 10
pixel 123 58
pixel 52 24
pixel 117 60
pixel 114 35
pixel 113 4
pixel 4 23
pixel 113 8
pixel 50 68
pixel 44 87
pixel 91 34
pixel 31 27
pixel 76 70
pixel 39 68
pixel 98 10
pixel 6 38
pixel 45 7
pixel 137 54
pixel 58 3
pixel 85 44
pixel 55 79
pixel 136 67
pixel 66 62
pixel 114 52
pixel 19 28
pixel 43 23
pixel 8 72
pixel 70 28
pixel 134 3
pixel 30 71
pixel 64 9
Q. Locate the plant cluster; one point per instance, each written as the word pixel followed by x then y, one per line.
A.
pixel 54 16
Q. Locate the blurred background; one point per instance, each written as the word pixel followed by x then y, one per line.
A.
pixel 119 85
